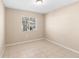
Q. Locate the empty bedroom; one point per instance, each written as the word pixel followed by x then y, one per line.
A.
pixel 39 28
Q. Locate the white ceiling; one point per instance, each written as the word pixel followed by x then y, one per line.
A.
pixel 29 5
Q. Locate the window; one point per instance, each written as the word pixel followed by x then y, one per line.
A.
pixel 28 23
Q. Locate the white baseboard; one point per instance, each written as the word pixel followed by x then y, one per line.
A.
pixel 17 43
pixel 73 50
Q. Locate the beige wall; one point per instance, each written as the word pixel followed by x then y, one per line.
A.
pixel 62 26
pixel 14 31
pixel 1 28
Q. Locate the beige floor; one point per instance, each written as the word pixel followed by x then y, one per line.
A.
pixel 38 49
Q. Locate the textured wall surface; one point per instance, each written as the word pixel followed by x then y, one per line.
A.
pixel 2 30
pixel 14 32
pixel 62 26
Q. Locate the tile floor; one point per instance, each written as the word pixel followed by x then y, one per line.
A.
pixel 38 49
